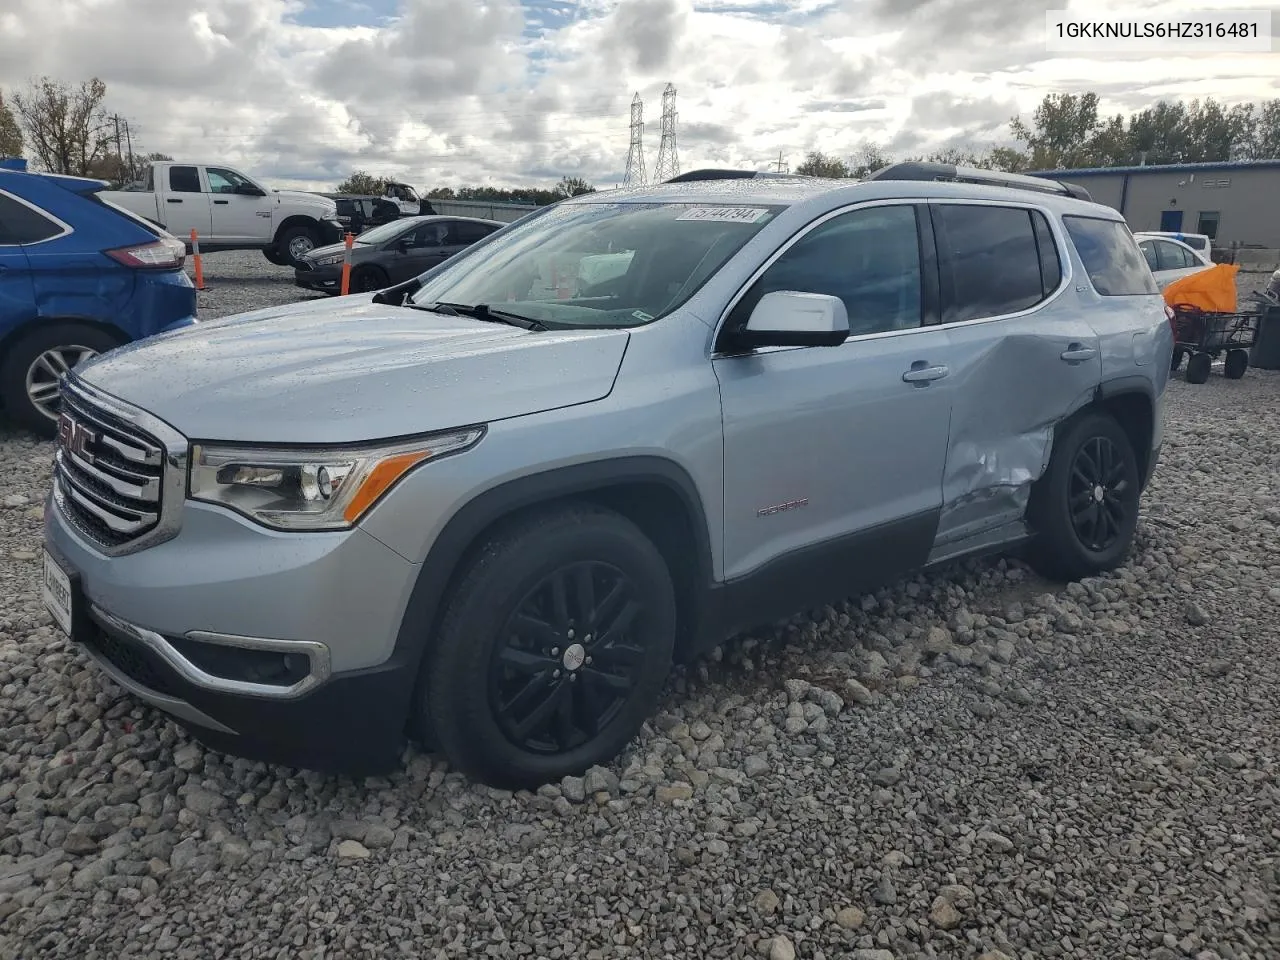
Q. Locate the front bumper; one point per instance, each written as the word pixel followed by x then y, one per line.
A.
pixel 326 279
pixel 331 601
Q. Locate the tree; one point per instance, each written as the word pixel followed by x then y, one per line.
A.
pixel 10 132
pixel 1063 127
pixel 572 187
pixel 65 126
pixel 441 193
pixel 818 164
pixel 868 159
pixel 1007 159
pixel 363 182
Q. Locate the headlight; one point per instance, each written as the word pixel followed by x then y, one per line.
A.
pixel 322 489
pixel 326 261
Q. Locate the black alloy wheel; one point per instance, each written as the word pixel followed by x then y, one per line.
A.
pixel 568 660
pixel 1098 494
pixel 552 649
pixel 1084 510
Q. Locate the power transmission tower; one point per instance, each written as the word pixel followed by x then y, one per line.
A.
pixel 635 175
pixel 668 157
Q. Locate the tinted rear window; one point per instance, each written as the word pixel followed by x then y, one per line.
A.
pixel 1111 257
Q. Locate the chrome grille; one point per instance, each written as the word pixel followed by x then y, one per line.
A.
pixel 110 475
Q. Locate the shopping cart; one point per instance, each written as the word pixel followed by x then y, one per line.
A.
pixel 1201 335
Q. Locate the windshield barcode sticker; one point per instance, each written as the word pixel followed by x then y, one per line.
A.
pixel 724 214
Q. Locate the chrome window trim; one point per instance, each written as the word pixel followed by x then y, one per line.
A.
pixel 1055 227
pixel 317 655
pixel 67 229
pixel 173 478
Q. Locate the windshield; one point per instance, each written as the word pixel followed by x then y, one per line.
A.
pixel 385 231
pixel 600 264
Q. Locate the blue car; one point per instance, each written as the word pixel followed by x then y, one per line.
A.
pixel 78 277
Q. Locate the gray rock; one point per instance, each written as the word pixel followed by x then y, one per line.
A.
pixel 781 948
pixel 603 780
pixel 352 850
pixel 857 693
pixel 755 765
pixel 574 789
pixel 202 802
pixel 796 689
pixel 378 836
pixel 90 876
pixel 1195 614
pixel 885 892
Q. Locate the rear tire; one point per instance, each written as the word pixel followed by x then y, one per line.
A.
pixel 32 365
pixel 553 649
pixel 1198 367
pixel 369 279
pixel 296 242
pixel 1236 364
pixel 1084 510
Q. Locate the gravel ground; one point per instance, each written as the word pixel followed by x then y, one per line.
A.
pixel 976 764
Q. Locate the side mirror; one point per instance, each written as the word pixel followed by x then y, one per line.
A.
pixel 787 318
pixel 404 244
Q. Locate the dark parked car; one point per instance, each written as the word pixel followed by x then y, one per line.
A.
pixel 392 252
pixel 78 277
pixel 358 213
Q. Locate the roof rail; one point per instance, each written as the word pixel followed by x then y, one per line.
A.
pixel 913 170
pixel 711 173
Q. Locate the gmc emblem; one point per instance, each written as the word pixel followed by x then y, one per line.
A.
pixel 75 437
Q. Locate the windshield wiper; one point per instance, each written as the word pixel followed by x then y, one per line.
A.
pixel 482 311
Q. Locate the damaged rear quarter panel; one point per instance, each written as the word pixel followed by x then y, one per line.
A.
pixel 1012 388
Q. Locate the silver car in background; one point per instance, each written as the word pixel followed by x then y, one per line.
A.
pixel 491 505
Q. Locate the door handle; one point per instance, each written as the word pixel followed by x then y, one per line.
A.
pixel 922 374
pixel 222 203
pixel 1078 352
pixel 172 200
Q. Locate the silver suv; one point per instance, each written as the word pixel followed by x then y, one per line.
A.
pixel 489 506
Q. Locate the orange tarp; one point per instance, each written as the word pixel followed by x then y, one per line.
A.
pixel 1212 289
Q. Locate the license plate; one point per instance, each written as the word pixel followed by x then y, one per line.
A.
pixel 56 590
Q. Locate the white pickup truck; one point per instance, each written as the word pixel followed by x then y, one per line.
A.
pixel 231 211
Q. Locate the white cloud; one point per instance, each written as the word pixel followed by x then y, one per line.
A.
pixel 441 91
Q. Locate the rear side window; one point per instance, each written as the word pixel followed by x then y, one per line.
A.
pixel 20 223
pixel 1111 257
pixel 471 232
pixel 996 260
pixel 1170 256
pixel 184 180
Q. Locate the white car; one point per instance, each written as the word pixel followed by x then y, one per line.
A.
pixel 1171 259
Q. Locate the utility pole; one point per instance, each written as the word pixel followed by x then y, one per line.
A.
pixel 635 174
pixel 668 165
pixel 778 164
pixel 129 141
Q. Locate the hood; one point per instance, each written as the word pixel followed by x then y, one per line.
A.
pixel 350 370
pixel 299 198
pixel 330 249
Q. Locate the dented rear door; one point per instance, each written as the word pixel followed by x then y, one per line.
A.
pixel 1023 358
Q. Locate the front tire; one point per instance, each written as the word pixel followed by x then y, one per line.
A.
pixel 1084 511
pixel 274 256
pixel 34 364
pixel 296 242
pixel 553 649
pixel 369 279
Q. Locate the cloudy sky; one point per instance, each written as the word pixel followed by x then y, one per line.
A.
pixel 523 91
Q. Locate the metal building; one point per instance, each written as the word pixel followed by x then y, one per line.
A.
pixel 1237 204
